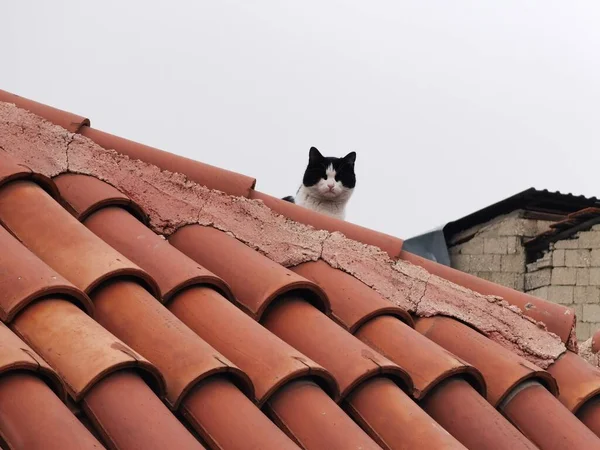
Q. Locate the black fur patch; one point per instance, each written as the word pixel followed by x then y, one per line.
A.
pixel 318 164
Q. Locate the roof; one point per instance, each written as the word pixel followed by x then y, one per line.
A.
pixel 532 199
pixel 152 301
pixel 539 204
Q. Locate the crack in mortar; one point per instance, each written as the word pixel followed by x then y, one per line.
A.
pixel 67 149
pixel 422 296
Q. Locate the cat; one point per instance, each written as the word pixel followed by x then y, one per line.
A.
pixel 327 185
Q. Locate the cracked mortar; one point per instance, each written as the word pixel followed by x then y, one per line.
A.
pixel 172 201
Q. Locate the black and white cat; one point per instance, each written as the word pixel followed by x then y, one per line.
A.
pixel 327 185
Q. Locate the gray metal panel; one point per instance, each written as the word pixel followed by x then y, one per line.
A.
pixel 431 245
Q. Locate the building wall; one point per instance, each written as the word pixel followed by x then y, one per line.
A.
pixel 494 250
pixel 568 273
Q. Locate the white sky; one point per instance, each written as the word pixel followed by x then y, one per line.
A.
pixel 450 105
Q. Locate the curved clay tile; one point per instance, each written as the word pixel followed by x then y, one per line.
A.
pixel 256 281
pixel 390 244
pixel 502 369
pixel 348 359
pixel 71 122
pixel 128 415
pixel 84 194
pixel 589 414
pixel 212 177
pixel 353 303
pixel 545 422
pixel 215 402
pixel 58 239
pixel 25 278
pixel 172 270
pixel 129 312
pixel 77 347
pixel 558 319
pixel 379 324
pixel 269 362
pixel 27 404
pixel 466 415
pixel 426 362
pixel 16 355
pixel 313 420
pixel 373 403
pixel 577 379
pixel 11 170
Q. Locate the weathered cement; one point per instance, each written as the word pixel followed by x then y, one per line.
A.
pixel 172 201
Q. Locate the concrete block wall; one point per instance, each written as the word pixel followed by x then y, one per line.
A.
pixel 569 274
pixel 494 250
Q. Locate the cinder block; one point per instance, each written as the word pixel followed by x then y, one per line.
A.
pixel 567 243
pixel 513 245
pixel 582 330
pixel 577 258
pixel 589 239
pixel 511 280
pixel 586 294
pixel 595 276
pixel 558 258
pixel 472 247
pixel 564 276
pixel 591 313
pixel 515 226
pixel 539 292
pixel 495 246
pixel 560 294
pixel 583 276
pixel 461 262
pixel 486 263
pixel 595 258
pixel 538 279
pixel 513 263
pixel 596 228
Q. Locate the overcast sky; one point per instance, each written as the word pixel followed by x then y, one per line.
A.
pixel 450 105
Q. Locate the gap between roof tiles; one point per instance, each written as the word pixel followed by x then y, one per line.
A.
pixel 173 201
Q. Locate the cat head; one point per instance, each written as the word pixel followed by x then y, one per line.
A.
pixel 329 178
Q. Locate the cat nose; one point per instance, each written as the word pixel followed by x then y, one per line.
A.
pixel 331 186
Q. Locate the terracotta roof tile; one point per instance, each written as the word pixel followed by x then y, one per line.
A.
pixel 172 270
pixel 182 357
pixel 82 352
pixel 17 356
pixel 82 195
pixel 35 219
pixel 71 122
pixel 215 178
pixel 457 407
pixel 26 404
pixel 558 318
pixel 25 279
pixel 255 280
pixel 392 245
pixel 216 323
pixel 503 370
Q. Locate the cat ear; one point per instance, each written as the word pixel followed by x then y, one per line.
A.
pixel 350 158
pixel 314 155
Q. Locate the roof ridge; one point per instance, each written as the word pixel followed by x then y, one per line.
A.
pixel 172 200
